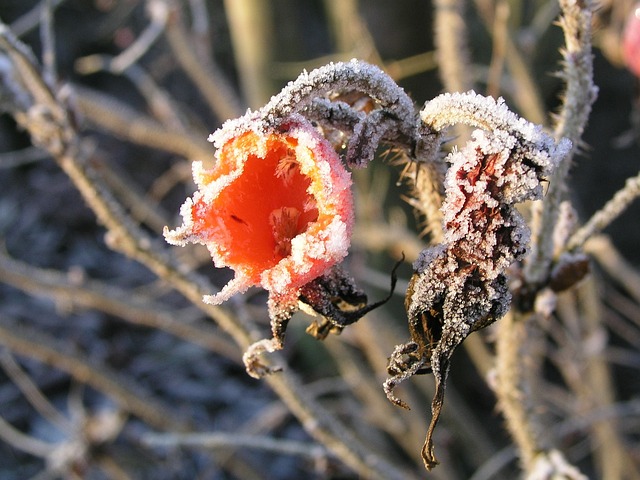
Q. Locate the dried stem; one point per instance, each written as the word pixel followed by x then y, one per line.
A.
pixel 253 52
pixel 122 121
pixel 513 393
pixel 451 46
pixel 608 257
pixel 607 214
pixel 23 442
pixel 49 63
pixel 500 34
pixel 513 387
pixel 158 10
pixel 211 82
pixel 352 37
pixel 160 102
pixel 525 91
pixel 33 394
pixel 113 300
pixel 223 440
pixel 596 387
pixel 426 184
pixel 570 123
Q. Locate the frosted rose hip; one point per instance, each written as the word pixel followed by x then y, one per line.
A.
pixel 276 208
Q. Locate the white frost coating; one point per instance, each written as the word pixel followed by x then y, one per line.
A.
pixel 352 75
pixel 552 465
pixel 331 245
pixel 483 232
pixel 493 115
pixel 235 127
pixel 461 286
pixel 237 285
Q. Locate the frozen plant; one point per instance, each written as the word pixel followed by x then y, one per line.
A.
pixel 277 209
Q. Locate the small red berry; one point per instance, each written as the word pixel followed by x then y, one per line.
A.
pixel 631 41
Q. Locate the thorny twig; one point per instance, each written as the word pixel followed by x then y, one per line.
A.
pixel 571 121
pixel 513 384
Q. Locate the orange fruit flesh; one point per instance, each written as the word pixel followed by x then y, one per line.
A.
pixel 253 220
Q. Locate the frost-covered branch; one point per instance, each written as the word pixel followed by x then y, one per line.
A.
pixel 608 213
pixel 43 112
pixel 579 95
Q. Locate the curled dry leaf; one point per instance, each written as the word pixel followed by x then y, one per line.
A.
pixel 460 286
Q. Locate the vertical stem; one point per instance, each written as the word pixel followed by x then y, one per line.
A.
pixel 613 459
pixel 570 123
pixel 251 34
pixel 451 46
pixel 513 395
pixel 500 36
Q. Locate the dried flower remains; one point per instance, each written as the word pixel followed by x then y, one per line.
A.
pixel 460 285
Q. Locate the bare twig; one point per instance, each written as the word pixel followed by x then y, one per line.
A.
pixel 514 402
pixel 23 442
pixel 211 82
pixel 122 121
pixel 160 102
pixel 624 274
pixel 253 52
pixel 525 89
pixel 607 214
pixel 500 35
pixel 159 13
pixel 451 45
pixel 224 440
pixel 49 67
pixel 31 391
pixel 570 123
pixel 597 386
pixel 113 300
pixel 131 397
